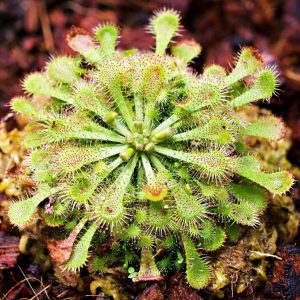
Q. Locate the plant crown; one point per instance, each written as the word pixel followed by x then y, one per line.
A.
pixel 134 146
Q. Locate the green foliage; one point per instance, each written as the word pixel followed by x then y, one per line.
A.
pixel 20 212
pixel 252 194
pixel 27 108
pixel 276 183
pixel 234 231
pixel 270 128
pixel 215 241
pixel 164 25
pixel 80 252
pixel 148 269
pixel 62 69
pixel 186 50
pixel 263 88
pixel 147 152
pixel 197 270
pixel 107 36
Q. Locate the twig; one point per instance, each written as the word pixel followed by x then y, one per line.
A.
pixel 41 291
pixel 45 23
pixel 267 254
pixel 19 283
pixel 42 283
pixel 27 281
pixel 62 294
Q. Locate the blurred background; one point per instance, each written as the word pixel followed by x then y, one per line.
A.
pixel 33 30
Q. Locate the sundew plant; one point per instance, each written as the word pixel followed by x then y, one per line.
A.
pixel 136 148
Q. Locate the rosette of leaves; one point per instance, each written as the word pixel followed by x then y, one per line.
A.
pixel 136 146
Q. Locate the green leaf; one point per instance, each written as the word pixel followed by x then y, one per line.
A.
pixel 186 50
pixel 159 219
pixel 277 183
pixel 164 26
pixel 248 62
pixel 202 94
pixel 197 270
pixel 80 252
pixel 263 88
pixel 148 269
pixel 213 191
pixel 212 164
pixel 214 130
pixel 154 79
pixel 40 159
pixel 122 104
pixel 63 69
pixel 71 158
pixel 108 203
pixel 39 84
pixel 77 126
pixel 107 36
pixel 81 42
pixel 207 229
pixel 20 212
pixel 214 72
pixel 88 96
pixel 233 230
pixel 244 213
pixel 189 208
pixel 27 108
pixel 252 194
pixel 34 139
pixel 146 241
pixel 85 183
pixel 270 127
pixel 216 241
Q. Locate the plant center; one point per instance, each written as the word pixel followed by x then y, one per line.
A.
pixel 139 139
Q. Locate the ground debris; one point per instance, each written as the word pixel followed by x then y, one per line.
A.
pixel 285 279
pixel 9 250
pixel 68 278
pixel 109 285
pixel 152 292
pixel 180 290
